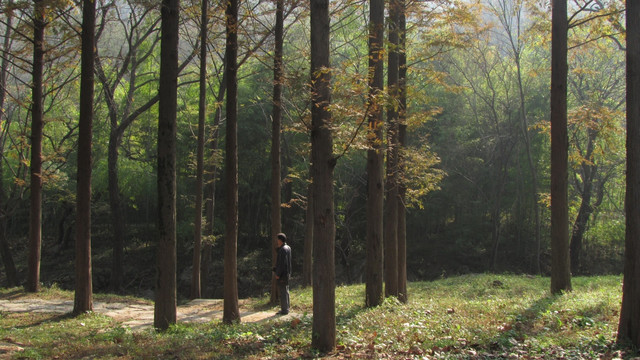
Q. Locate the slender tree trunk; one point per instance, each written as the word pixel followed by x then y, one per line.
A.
pixel 375 158
pixel 5 249
pixel 211 187
pixel 629 326
pixel 323 162
pixel 287 217
pixel 84 288
pixel 196 288
pixel 403 296
pixel 588 175
pixel 278 78
pixel 4 64
pixel 560 263
pixel 5 253
pixel 391 206
pixel 116 208
pixel 166 299
pixel 207 250
pixel 532 166
pixel 231 311
pixel 37 123
pixel 496 219
pixel 579 228
pixel 307 262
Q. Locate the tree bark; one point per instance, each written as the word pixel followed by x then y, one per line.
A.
pixel 391 206
pixel 231 311
pixel 37 123
pixel 5 249
pixel 307 262
pixel 278 77
pixel 166 299
pixel 629 326
pixel 402 144
pixel 323 162
pixel 84 288
pixel 116 210
pixel 560 263
pixel 588 175
pixel 210 200
pixel 375 158
pixel 196 288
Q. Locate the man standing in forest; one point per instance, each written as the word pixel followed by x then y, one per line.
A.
pixel 282 271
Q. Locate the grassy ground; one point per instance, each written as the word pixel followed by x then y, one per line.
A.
pixel 466 317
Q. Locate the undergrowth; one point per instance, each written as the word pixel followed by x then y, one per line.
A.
pixel 466 317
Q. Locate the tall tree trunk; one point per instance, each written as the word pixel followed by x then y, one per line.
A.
pixel 375 157
pixel 115 207
pixel 166 299
pixel 560 263
pixel 5 249
pixel 323 162
pixel 579 228
pixel 532 166
pixel 278 77
pixel 402 143
pixel 37 123
pixel 496 216
pixel 391 206
pixel 629 326
pixel 307 262
pixel 84 288
pixel 588 175
pixel 231 311
pixel 210 197
pixel 196 287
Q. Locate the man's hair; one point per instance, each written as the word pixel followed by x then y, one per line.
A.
pixel 282 237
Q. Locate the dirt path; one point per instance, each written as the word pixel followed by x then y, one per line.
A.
pixel 140 316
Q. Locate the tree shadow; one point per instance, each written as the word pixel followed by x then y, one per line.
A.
pixel 33 320
pixel 524 323
pixel 12 295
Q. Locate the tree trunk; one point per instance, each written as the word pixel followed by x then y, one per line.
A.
pixel 5 249
pixel 323 162
pixel 37 123
pixel 307 262
pixel 210 201
pixel 196 287
pixel 629 326
pixel 116 208
pixel 579 228
pixel 231 311
pixel 496 217
pixel 84 288
pixel 532 166
pixel 275 143
pixel 402 144
pixel 391 206
pixel 588 175
pixel 375 158
pixel 166 299
pixel 560 264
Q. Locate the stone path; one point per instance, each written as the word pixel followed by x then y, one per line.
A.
pixel 140 316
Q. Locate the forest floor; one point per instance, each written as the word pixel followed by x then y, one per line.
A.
pixel 474 316
pixel 139 316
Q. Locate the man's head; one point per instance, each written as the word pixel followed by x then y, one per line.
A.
pixel 282 238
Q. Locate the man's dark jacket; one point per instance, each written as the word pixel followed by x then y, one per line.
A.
pixel 283 262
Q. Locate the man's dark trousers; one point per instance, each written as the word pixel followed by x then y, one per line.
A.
pixel 283 291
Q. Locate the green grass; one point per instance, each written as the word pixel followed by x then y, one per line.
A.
pixel 466 317
pixel 55 293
